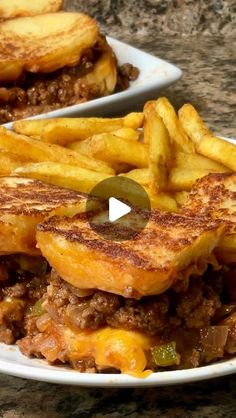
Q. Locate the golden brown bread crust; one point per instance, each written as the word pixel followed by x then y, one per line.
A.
pixel 170 246
pixel 21 196
pixel 16 8
pixel 215 196
pixel 44 43
pixel 24 203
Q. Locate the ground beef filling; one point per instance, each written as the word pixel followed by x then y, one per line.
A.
pixel 184 317
pixel 19 291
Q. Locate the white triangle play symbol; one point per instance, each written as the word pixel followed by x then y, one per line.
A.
pixel 117 209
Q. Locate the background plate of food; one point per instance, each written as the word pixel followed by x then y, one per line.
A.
pixel 72 69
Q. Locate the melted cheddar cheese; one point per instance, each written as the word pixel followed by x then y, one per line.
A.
pixel 121 349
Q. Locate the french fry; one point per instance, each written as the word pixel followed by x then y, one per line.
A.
pixel 133 120
pixel 219 150
pixel 182 179
pixel 177 135
pixel 181 197
pixel 157 137
pixel 140 175
pixel 162 201
pixel 205 143
pixel 30 127
pixel 60 174
pixel 113 149
pixel 192 123
pixel 65 130
pixel 128 133
pixel 198 162
pixel 148 106
pixel 9 162
pixel 83 147
pixel 39 151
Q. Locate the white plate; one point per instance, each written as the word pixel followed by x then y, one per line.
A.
pixel 155 74
pixel 12 362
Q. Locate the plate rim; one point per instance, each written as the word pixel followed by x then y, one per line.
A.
pixel 62 375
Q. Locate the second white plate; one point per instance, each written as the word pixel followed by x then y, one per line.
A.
pixel 155 74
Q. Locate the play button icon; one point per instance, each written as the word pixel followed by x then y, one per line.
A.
pixel 117 209
pixel 124 208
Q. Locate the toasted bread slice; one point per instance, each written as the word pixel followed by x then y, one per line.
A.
pixel 44 43
pixel 16 8
pixel 24 203
pixel 215 195
pixel 104 74
pixel 170 248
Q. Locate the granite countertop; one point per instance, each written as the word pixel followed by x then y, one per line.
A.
pixel 20 398
pixel 199 37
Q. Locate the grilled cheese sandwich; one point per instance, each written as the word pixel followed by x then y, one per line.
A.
pixel 215 196
pixel 18 8
pixel 51 61
pixel 24 203
pixel 120 305
pixel 169 248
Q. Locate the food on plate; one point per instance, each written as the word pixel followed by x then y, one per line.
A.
pixel 38 151
pixel 135 146
pixel 24 204
pixel 62 42
pixel 64 175
pixel 16 8
pixel 182 179
pixel 215 196
pixel 163 300
pixel 177 135
pixel 115 149
pixel 204 141
pixel 198 162
pixel 53 60
pixel 9 162
pixel 139 302
pixel 131 268
pixel 181 197
pixel 64 131
pixel 158 141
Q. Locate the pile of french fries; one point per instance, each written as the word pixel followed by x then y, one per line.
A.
pixel 163 151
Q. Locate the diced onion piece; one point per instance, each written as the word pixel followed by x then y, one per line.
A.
pixel 43 322
pixel 214 336
pixel 213 341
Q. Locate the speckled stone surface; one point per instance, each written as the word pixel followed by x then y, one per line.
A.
pixel 209 76
pixel 211 399
pixel 161 16
pixel 198 36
